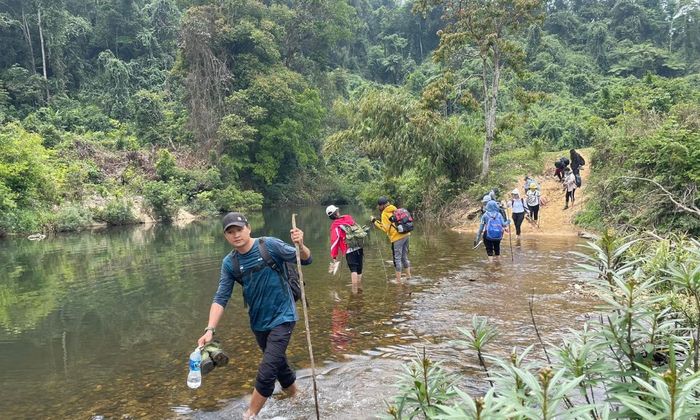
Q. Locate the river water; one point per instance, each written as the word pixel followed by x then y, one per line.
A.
pixel 101 324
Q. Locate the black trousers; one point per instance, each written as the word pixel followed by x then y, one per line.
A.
pixel 274 365
pixel 570 194
pixel 518 220
pixel 493 247
pixel 534 211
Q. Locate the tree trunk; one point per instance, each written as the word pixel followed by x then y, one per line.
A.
pixel 43 55
pixel 490 107
pixel 28 37
pixel 420 39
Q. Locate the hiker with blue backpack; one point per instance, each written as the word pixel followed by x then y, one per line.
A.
pixel 491 229
pixel 264 268
pixel 347 238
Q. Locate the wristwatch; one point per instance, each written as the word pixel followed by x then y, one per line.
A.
pixel 212 329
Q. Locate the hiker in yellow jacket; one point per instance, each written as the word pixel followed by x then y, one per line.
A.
pixel 399 241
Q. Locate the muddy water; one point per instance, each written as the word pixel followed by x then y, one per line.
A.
pixel 101 324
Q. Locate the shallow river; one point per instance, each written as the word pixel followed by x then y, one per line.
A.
pixel 100 324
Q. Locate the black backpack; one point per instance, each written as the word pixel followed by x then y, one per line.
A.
pixel 288 273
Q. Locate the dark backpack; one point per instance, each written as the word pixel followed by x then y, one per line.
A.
pixel 577 177
pixel 355 235
pixel 288 274
pixel 402 220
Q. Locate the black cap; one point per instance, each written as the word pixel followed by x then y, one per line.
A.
pixel 234 219
pixel 382 200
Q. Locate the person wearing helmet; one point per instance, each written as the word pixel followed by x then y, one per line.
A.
pixel 533 201
pixel 518 209
pixel 343 226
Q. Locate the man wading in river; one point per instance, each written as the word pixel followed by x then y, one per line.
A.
pixel 255 264
pixel 399 241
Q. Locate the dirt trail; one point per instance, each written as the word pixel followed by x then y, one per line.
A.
pixel 553 220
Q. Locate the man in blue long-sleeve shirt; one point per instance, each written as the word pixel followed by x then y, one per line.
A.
pixel 270 302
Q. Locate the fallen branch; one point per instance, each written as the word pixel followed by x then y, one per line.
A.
pixel 692 209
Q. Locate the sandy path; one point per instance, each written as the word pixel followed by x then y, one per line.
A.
pixel 553 220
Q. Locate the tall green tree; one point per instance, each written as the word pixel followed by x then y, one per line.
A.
pixel 486 29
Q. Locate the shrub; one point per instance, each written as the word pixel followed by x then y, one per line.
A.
pixel 21 221
pixel 166 167
pixel 203 203
pixel 72 218
pixel 232 198
pixel 117 212
pixel 163 199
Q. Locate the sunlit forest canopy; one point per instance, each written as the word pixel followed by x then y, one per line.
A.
pixel 114 107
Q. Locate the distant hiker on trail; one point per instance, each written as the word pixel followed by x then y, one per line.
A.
pixel 528 181
pixel 258 265
pixel 347 237
pixel 570 188
pixel 561 166
pixel 576 161
pixel 491 229
pixel 518 209
pixel 492 195
pixel 533 202
pixel 398 231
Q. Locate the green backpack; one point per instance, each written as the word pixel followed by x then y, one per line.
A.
pixel 355 235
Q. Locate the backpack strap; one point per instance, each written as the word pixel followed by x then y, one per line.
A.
pixel 236 267
pixel 265 254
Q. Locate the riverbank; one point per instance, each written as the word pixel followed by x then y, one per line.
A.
pixel 553 220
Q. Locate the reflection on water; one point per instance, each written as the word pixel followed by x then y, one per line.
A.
pixel 101 324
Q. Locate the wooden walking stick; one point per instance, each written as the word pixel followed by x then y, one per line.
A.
pixel 381 255
pixel 510 235
pixel 306 320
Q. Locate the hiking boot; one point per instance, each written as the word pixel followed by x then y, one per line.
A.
pixel 566 207
pixel 216 354
pixel 207 364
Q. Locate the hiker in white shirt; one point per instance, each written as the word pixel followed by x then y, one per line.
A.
pixel 569 187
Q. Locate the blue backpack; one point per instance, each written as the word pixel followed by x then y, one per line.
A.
pixel 494 227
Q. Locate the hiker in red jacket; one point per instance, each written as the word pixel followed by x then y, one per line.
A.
pixel 347 238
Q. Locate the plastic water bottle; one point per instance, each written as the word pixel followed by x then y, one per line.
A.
pixel 194 378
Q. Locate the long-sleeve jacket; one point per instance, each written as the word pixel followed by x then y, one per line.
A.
pixel 492 212
pixel 570 182
pixel 385 224
pixel 338 244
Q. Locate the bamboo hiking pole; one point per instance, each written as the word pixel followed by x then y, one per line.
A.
pixel 381 255
pixel 510 234
pixel 306 320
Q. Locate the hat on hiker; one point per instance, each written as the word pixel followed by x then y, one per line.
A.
pixel 382 201
pixel 533 186
pixel 234 219
pixel 515 192
pixel 330 210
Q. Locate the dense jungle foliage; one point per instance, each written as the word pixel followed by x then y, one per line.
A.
pixel 112 107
